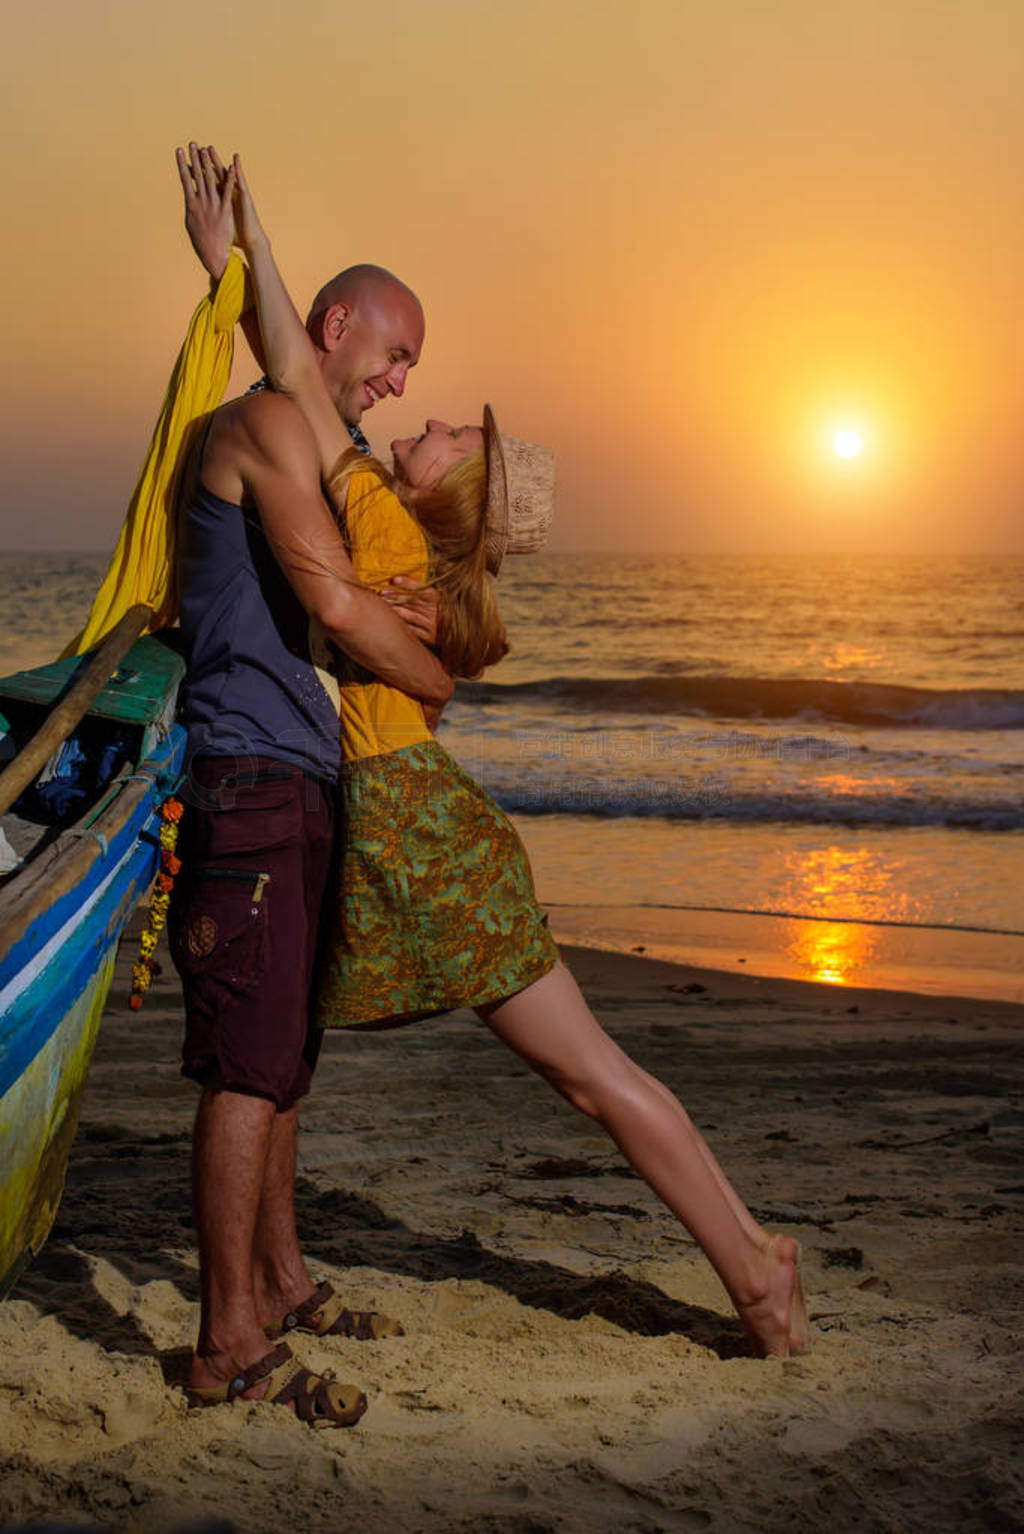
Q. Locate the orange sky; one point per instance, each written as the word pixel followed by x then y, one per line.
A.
pixel 681 242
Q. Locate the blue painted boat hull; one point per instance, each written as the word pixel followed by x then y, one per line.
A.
pixel 62 921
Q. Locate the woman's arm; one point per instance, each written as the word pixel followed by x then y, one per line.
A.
pixel 219 212
pixel 291 358
pixel 210 224
pixel 209 207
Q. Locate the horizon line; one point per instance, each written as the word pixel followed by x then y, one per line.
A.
pixel 657 553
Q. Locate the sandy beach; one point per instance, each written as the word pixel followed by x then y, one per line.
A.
pixel 570 1362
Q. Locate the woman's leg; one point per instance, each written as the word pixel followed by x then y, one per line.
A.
pixel 552 1028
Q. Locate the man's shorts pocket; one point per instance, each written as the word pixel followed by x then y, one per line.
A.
pixel 249 818
pixel 219 935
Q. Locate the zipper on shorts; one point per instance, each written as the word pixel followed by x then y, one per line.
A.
pixel 237 875
pixel 259 775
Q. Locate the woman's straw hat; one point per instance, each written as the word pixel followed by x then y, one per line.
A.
pixel 520 494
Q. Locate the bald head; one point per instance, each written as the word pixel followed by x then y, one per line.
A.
pixel 375 283
pixel 369 328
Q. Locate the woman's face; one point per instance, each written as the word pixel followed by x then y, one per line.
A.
pixel 422 462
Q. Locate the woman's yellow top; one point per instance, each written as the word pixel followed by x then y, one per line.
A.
pixel 384 540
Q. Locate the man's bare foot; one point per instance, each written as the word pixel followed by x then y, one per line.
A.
pixel 776 1321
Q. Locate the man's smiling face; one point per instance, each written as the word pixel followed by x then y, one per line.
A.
pixel 379 340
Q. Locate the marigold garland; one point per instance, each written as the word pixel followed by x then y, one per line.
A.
pixel 145 966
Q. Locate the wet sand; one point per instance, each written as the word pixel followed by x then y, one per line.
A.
pixel 871 955
pixel 570 1362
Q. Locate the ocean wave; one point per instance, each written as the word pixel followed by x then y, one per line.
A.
pixel 707 799
pixel 875 704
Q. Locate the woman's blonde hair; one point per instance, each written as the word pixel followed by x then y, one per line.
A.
pixel 471 633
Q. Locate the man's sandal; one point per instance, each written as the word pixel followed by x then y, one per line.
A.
pixel 325 1315
pixel 322 1402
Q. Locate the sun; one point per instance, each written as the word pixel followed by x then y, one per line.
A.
pixel 848 443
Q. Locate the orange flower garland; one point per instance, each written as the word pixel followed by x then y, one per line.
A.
pixel 144 968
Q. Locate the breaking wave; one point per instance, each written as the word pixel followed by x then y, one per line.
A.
pixel 873 704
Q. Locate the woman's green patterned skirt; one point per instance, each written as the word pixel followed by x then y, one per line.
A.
pixel 436 907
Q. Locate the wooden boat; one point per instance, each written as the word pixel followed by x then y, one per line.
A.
pixel 86 854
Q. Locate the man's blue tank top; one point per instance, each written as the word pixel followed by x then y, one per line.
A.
pixel 251 687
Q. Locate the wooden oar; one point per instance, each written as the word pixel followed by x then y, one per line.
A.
pixel 63 717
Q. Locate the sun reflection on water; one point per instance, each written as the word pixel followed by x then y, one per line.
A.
pixel 856 884
pixel 830 952
pixel 844 662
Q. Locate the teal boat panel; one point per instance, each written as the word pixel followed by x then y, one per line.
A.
pixel 137 693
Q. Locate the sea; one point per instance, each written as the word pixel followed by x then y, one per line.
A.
pixel 809 766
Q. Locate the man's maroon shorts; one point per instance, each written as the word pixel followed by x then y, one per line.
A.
pixel 256 845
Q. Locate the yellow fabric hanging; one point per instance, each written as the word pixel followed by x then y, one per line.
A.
pixel 144 564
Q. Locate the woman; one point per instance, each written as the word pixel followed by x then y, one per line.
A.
pixel 436 906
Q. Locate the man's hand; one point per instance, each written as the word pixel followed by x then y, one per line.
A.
pixel 418 610
pixel 209 206
pixel 421 615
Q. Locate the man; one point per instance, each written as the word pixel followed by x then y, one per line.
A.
pixel 262 560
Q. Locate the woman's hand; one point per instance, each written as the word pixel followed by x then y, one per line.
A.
pixel 209 206
pixel 250 232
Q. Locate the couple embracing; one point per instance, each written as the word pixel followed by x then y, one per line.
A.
pixel 339 867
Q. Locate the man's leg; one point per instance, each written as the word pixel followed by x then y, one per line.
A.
pixel 230 1150
pixel 280 1279
pixel 232 1138
pixel 247 1005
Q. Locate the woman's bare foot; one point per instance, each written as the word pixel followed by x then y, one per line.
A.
pixel 799 1326
pixel 776 1322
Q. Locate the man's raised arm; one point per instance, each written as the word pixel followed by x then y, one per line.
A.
pixel 280 470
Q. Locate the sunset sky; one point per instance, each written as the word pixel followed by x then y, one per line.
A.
pixel 684 242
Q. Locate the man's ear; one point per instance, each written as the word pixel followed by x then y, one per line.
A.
pixel 328 326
